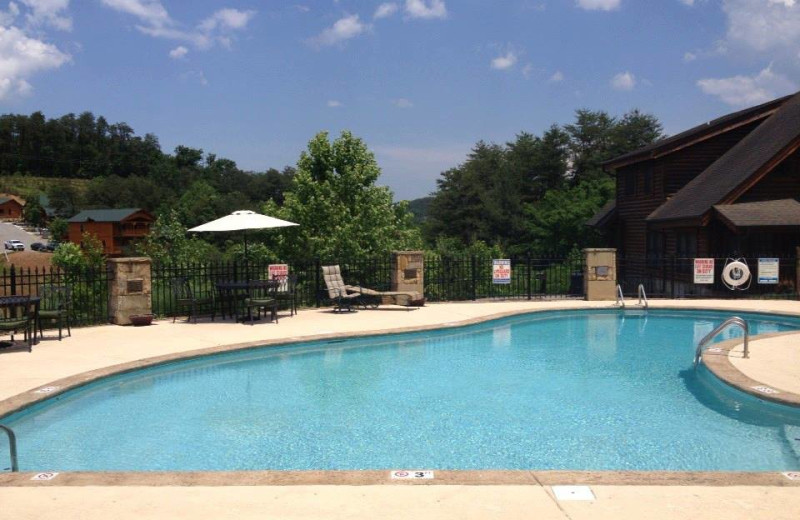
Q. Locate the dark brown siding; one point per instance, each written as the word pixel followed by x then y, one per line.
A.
pixel 781 183
pixel 670 174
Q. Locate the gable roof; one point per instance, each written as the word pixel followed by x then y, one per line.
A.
pixel 604 215
pixel 783 212
pixel 698 133
pixel 752 157
pixel 105 215
pixel 3 200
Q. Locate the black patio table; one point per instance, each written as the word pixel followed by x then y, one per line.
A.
pixel 231 294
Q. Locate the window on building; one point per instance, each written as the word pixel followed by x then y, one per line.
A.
pixel 648 181
pixel 655 248
pixel 685 250
pixel 630 184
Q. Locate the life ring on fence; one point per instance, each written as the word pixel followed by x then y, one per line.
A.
pixel 735 274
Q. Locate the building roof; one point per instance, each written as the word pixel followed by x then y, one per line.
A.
pixel 604 215
pixel 698 133
pixel 105 215
pixel 751 158
pixel 3 200
pixel 783 212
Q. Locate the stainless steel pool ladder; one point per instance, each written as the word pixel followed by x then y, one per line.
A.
pixel 12 446
pixel 642 296
pixel 620 297
pixel 733 320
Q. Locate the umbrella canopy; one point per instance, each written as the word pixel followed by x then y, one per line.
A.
pixel 242 220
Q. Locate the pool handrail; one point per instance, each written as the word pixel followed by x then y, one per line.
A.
pixel 643 296
pixel 12 446
pixel 733 320
pixel 620 297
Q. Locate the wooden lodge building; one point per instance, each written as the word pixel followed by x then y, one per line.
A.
pixel 726 188
pixel 116 228
pixel 11 208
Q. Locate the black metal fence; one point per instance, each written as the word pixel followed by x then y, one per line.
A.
pixel 446 278
pixel 673 277
pixel 88 289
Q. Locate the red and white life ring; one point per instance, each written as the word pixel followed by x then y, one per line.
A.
pixel 736 274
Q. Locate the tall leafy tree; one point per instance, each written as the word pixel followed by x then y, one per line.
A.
pixel 340 211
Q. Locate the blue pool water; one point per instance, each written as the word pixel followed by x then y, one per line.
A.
pixel 597 390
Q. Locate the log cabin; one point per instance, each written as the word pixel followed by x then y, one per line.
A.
pixel 726 188
pixel 115 228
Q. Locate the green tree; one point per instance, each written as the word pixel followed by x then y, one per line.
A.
pixel 34 213
pixel 72 257
pixel 168 243
pixel 340 211
pixel 59 228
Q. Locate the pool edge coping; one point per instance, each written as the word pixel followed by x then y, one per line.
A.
pixel 723 369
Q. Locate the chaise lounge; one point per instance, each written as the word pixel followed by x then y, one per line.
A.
pixel 363 295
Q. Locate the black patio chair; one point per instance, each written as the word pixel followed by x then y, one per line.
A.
pixel 55 307
pixel 258 295
pixel 285 292
pixel 188 302
pixel 19 318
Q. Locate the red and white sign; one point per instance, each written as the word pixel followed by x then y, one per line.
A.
pixel 501 271
pixel 703 270
pixel 278 271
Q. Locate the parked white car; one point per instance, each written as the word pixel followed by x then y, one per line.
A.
pixel 15 245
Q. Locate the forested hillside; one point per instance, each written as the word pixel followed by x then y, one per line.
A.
pixel 124 169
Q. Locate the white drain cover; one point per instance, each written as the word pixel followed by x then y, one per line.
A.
pixel 573 493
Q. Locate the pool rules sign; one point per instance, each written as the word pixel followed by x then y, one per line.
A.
pixel 501 272
pixel 703 270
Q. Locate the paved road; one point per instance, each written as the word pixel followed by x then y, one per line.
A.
pixel 10 231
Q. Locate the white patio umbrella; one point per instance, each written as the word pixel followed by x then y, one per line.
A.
pixel 242 221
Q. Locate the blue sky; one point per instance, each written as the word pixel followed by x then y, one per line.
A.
pixel 420 80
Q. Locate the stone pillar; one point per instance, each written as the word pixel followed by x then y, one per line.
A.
pixel 408 272
pixel 130 288
pixel 600 274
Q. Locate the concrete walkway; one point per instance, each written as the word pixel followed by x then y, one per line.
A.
pixel 96 348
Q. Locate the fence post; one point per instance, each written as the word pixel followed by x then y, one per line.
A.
pixel 529 266
pixel 473 266
pixel 317 286
pixel 672 281
pixel 13 280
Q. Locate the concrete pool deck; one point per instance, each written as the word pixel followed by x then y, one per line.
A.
pixel 102 350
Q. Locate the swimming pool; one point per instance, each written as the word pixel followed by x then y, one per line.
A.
pixel 593 390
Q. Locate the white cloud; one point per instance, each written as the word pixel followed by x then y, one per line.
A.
pixel 687 2
pixel 8 17
pixel 333 103
pixel 689 56
pixel 150 12
pixel 599 5
pixel 763 25
pixel 402 103
pixel 48 12
pixel 748 90
pixel 426 9
pixel 155 21
pixel 557 77
pixel 231 19
pixel 178 52
pixel 195 75
pixel 504 62
pixel 21 57
pixel 385 10
pixel 343 29
pixel 624 81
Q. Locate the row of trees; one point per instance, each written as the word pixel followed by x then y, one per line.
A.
pixel 533 195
